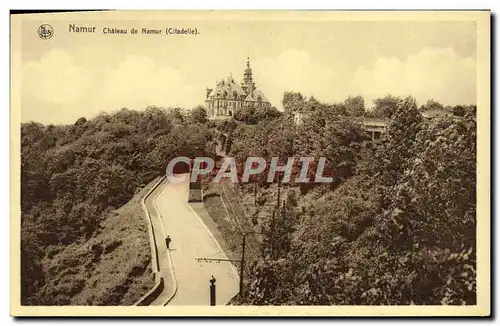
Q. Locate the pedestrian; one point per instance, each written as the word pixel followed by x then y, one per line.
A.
pixel 167 241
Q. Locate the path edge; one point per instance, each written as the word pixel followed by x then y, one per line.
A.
pixel 147 298
pixel 172 271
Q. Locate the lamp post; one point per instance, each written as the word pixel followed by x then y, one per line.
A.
pixel 212 291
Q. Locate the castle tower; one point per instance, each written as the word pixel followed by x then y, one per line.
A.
pixel 248 85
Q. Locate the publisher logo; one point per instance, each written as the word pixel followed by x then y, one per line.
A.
pixel 45 31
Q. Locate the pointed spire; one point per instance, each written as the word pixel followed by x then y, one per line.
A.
pixel 247 83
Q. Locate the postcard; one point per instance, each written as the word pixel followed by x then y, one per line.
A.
pixel 250 163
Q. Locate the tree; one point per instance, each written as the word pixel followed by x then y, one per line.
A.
pixel 253 115
pixel 198 115
pixel 400 140
pixel 431 105
pixel 72 175
pixel 277 235
pixel 400 232
pixel 355 106
pixel 245 114
pixel 385 107
pixel 462 110
pixel 293 101
pixel 32 274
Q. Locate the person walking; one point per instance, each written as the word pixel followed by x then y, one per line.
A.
pixel 167 241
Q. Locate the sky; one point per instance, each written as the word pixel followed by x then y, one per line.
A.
pixel 73 75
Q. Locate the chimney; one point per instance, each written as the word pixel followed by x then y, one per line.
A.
pixel 209 90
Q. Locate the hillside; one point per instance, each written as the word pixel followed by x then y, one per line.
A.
pixel 111 268
pixel 397 225
pixel 77 241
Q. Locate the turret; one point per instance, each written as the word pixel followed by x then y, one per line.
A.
pixel 248 84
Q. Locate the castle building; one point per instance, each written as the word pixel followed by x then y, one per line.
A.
pixel 229 96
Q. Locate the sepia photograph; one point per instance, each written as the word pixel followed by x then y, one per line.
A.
pixel 180 163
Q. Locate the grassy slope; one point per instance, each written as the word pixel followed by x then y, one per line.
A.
pixel 214 216
pixel 215 228
pixel 113 268
pixel 239 219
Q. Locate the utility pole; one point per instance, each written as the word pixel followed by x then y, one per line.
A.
pixel 255 194
pixel 241 260
pixel 279 192
pixel 271 236
pixel 242 265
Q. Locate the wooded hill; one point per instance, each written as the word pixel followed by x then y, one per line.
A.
pixel 397 225
pixel 72 176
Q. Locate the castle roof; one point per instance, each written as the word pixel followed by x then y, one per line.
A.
pixel 227 86
pixel 254 96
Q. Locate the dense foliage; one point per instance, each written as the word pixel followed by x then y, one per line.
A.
pixel 72 174
pixel 397 225
pixel 253 115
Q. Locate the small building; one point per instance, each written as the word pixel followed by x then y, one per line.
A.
pixel 228 96
pixel 375 127
pixel 435 113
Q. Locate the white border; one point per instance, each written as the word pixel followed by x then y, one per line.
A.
pixel 189 4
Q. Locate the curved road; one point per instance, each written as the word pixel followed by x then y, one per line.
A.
pixel 190 239
pixel 164 262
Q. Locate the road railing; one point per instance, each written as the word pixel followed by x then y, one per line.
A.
pixel 155 291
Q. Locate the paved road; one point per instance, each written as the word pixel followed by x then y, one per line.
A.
pixel 164 264
pixel 191 239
